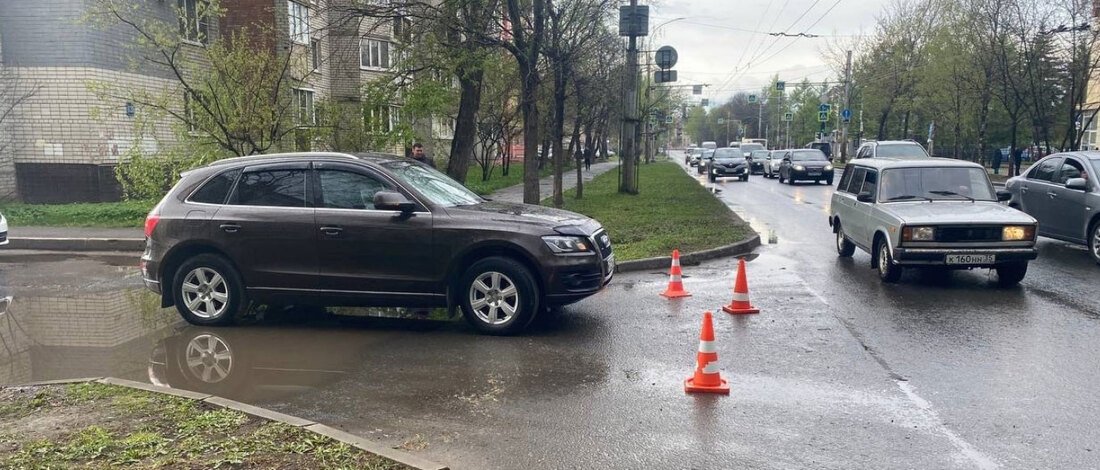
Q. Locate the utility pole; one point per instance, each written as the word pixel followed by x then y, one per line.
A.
pixel 648 133
pixel 847 106
pixel 760 118
pixel 727 127
pixel 628 164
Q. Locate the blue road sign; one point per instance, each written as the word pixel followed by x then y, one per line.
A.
pixel 846 115
pixel 824 108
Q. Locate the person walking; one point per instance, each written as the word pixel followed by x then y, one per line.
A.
pixel 419 155
pixel 587 160
pixel 995 161
pixel 1017 159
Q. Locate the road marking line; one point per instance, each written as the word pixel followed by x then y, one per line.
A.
pixel 975 456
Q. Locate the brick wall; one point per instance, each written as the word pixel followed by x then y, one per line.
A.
pixel 8 85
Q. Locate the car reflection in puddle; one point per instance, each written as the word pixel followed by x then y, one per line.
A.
pixel 285 354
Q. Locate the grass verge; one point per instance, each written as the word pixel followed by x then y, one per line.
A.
pixel 103 214
pixel 92 425
pixel 672 211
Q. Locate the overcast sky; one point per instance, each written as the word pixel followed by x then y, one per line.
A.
pixel 715 42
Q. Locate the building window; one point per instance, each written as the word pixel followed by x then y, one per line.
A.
pixel 384 119
pixel 192 18
pixel 189 111
pixel 315 54
pixel 303 99
pixel 298 17
pixel 374 53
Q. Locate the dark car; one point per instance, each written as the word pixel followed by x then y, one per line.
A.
pixel 805 164
pixel 825 148
pixel 748 149
pixel 728 163
pixel 1061 192
pixel 376 230
pixel 704 160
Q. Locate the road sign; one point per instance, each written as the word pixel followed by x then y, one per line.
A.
pixel 634 21
pixel 752 99
pixel 664 76
pixel 705 102
pixel 846 115
pixel 779 86
pixel 823 108
pixel 666 57
pixel 697 89
pixel 823 116
pixel 788 117
pixel 721 120
pixel 668 119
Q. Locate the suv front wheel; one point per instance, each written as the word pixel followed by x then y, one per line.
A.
pixel 498 296
pixel 208 291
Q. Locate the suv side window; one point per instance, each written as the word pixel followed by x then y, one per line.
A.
pixel 845 180
pixel 216 190
pixel 1045 170
pixel 348 190
pixel 272 188
pixel 1070 169
pixel 857 180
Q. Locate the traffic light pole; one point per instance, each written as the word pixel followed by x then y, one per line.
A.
pixel 628 183
pixel 844 151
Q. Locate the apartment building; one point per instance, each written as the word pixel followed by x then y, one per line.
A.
pixel 65 135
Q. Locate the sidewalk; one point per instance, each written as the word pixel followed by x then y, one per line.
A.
pixel 546 185
pixel 133 239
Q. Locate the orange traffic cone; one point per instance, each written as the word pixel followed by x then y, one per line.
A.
pixel 706 378
pixel 675 279
pixel 740 302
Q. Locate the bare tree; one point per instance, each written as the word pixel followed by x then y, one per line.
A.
pixel 14 92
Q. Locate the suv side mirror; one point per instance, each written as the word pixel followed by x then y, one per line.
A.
pixel 865 196
pixel 1078 184
pixel 1004 196
pixel 393 201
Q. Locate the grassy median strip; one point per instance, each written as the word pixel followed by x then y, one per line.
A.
pixel 672 211
pixel 104 214
pixel 92 425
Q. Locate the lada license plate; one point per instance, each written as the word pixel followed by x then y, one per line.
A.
pixel 971 259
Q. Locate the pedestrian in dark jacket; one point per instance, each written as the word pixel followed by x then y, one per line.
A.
pixel 995 161
pixel 418 155
pixel 1017 159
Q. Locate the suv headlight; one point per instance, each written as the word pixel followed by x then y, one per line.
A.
pixel 918 234
pixel 828 168
pixel 566 245
pixel 799 168
pixel 1015 233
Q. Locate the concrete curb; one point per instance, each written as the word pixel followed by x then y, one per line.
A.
pixel 114 258
pixel 78 244
pixel 661 262
pixel 398 456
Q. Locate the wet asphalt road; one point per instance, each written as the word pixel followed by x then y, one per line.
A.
pixel 838 371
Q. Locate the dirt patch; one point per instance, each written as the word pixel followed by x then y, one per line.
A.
pixel 96 425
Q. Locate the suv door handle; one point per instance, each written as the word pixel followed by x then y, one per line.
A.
pixel 331 230
pixel 230 228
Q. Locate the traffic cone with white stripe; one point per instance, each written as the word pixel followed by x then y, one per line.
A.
pixel 675 279
pixel 740 303
pixel 707 379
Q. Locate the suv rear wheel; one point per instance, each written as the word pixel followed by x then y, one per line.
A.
pixel 1094 241
pixel 208 290
pixel 498 296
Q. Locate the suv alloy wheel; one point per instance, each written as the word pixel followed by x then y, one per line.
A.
pixel 208 291
pixel 498 296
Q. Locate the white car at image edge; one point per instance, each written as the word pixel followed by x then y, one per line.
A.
pixel 3 230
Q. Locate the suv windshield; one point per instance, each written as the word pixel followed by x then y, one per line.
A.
pixel 935 183
pixel 901 151
pixel 760 154
pixel 437 187
pixel 807 156
pixel 727 154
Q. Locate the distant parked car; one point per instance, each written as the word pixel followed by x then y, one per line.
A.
pixel 1061 192
pixel 932 212
pixel 891 149
pixel 370 229
pixel 3 230
pixel 805 164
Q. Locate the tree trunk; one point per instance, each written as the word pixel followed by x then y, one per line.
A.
pixel 557 129
pixel 465 136
pixel 529 105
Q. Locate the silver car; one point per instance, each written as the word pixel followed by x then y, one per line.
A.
pixel 3 230
pixel 1061 192
pixel 931 212
pixel 772 163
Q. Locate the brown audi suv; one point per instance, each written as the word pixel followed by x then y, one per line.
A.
pixel 370 229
